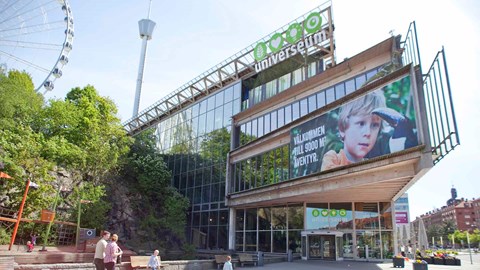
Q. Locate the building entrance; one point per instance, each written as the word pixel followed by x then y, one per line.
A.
pixel 320 245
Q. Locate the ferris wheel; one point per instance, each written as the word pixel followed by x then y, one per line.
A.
pixel 36 36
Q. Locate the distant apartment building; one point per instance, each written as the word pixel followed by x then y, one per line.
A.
pixel 462 211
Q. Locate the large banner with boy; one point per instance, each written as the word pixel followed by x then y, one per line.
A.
pixel 375 124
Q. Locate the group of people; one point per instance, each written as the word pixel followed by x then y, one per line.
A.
pixel 108 253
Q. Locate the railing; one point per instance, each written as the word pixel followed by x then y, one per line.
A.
pixel 442 124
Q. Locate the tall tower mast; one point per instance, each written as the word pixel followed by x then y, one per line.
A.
pixel 146 27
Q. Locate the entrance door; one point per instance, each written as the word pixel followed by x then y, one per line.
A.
pixel 321 247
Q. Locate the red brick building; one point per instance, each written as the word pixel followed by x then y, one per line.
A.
pixel 465 213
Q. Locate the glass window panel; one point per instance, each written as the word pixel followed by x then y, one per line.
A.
pixel 339 91
pixel 264 219
pixel 387 244
pixel 257 94
pixel 239 220
pixel 330 95
pixel 284 82
pixel 207 175
pixel 371 73
pixel 350 86
pixel 212 237
pixel 218 118
pixel 209 126
pixel 197 195
pixel 205 193
pixel 195 109
pixel 272 120
pixel 228 94
pixel 219 99
pixel 237 89
pixel 359 81
pixel 312 103
pixel 223 237
pixel 281 117
pixel 227 114
pixel 366 216
pixel 297 76
pixel 254 129
pixel 203 106
pixel 236 106
pixel 198 177
pixel 196 219
pixel 294 241
pixel 213 218
pixel 204 219
pixel 295 111
pixel 223 217
pixel 265 241
pixel 260 126
pixel 386 215
pixel 211 103
pixel 279 218
pixel 267 123
pixel 279 241
pixel 370 238
pixel 288 114
pixel 317 216
pixel 341 216
pixel 271 88
pixel 248 130
pixel 251 219
pixel 201 124
pixel 239 241
pixel 215 193
pixel 295 217
pixel 312 69
pixel 250 241
pixel 303 107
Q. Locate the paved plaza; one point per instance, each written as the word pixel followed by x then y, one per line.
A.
pixel 329 265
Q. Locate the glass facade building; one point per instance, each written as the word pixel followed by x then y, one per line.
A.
pixel 229 141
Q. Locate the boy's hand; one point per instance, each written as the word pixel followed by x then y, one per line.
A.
pixel 403 136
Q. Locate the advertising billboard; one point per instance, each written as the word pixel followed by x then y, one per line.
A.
pixel 375 124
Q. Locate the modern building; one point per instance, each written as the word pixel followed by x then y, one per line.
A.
pixel 280 147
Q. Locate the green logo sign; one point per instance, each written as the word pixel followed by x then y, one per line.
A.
pixel 333 213
pixel 342 212
pixel 324 212
pixel 260 51
pixel 294 33
pixel 276 42
pixel 313 22
pixel 315 213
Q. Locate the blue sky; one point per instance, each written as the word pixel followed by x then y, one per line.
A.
pixel 193 36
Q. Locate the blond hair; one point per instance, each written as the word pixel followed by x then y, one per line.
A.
pixel 360 106
pixel 114 237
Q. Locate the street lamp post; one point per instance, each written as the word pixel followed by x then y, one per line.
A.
pixel 469 249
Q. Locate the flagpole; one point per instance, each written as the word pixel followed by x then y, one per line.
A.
pixel 19 216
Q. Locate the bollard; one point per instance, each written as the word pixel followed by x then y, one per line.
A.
pixel 260 258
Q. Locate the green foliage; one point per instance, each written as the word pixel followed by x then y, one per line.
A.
pixel 80 135
pixel 4 237
pixel 160 209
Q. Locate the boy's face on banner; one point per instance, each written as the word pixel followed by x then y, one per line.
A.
pixel 360 135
